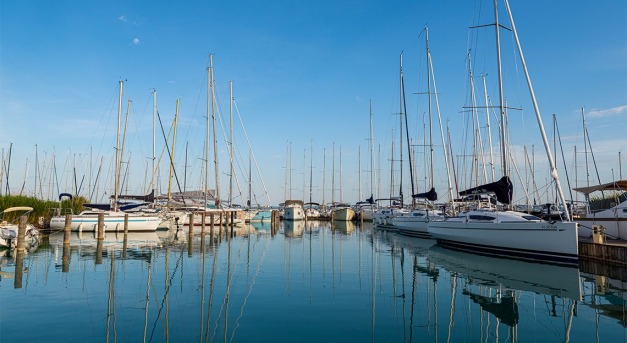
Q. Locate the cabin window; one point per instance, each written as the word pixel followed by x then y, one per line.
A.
pixel 531 217
pixel 418 214
pixel 477 217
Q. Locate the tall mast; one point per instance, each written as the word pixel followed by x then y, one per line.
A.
pixel 250 178
pixel 117 153
pixel 176 117
pixel 487 119
pixel 538 116
pixel 215 137
pixel 359 172
pixel 371 156
pixel 401 90
pixel 290 170
pixel 501 98
pixel 341 195
pixel 333 176
pixel 207 126
pixel 154 137
pixel 231 142
pixel 431 173
pixel 310 169
pixel 324 171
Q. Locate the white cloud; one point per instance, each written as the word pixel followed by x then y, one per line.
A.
pixel 122 18
pixel 136 41
pixel 615 111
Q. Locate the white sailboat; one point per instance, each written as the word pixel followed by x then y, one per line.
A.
pixel 114 219
pixel 514 234
pixel 414 223
pixel 293 210
pixel 613 220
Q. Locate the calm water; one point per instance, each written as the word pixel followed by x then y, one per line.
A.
pixel 306 282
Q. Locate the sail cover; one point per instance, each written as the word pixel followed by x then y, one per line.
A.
pixel 503 189
pixel 431 195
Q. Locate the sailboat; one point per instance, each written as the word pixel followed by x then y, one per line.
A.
pixel 113 219
pixel 614 219
pixel 414 223
pixel 518 235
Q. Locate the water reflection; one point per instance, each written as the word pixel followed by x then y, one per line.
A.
pixel 248 285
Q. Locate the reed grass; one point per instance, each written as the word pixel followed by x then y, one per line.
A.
pixel 41 208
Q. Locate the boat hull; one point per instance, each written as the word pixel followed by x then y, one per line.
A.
pixel 294 213
pixel 111 223
pixel 614 228
pixel 535 241
pixel 343 214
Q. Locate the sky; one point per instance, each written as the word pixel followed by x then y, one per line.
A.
pixel 304 77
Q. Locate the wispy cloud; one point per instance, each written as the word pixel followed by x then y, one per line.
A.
pixel 135 41
pixel 614 111
pixel 122 18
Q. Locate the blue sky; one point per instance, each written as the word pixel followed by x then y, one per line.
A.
pixel 303 74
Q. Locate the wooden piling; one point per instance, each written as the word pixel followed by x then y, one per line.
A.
pixel 203 216
pixel 99 251
pixel 21 234
pixel 65 259
pixel 125 224
pixel 100 236
pixel 68 222
pixel 19 268
pixel 211 223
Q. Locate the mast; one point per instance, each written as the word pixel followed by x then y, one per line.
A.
pixel 206 149
pixel 154 137
pixel 333 176
pixel 487 118
pixel 501 97
pixel 176 117
pixel 310 169
pixel 231 143
pixel 401 90
pixel 431 173
pixel 250 179
pixel 371 156
pixel 215 137
pixel 324 171
pixel 359 172
pixel 128 108
pixel 538 116
pixel 117 153
pixel 585 147
pixel 341 195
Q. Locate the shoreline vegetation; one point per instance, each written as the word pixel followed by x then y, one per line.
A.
pixel 41 208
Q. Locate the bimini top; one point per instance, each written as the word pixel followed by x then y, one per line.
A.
pixel 611 186
pixel 20 208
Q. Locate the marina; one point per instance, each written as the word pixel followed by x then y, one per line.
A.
pixel 240 205
pixel 301 280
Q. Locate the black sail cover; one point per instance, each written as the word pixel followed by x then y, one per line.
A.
pixel 503 189
pixel 431 195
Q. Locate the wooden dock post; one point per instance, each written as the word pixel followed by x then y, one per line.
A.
pixel 65 259
pixel 19 269
pixel 21 234
pixel 220 228
pixel 100 236
pixel 125 224
pixel 598 234
pixel 232 223
pixel 99 251
pixel 203 217
pixel 68 222
pixel 20 249
pixel 211 223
